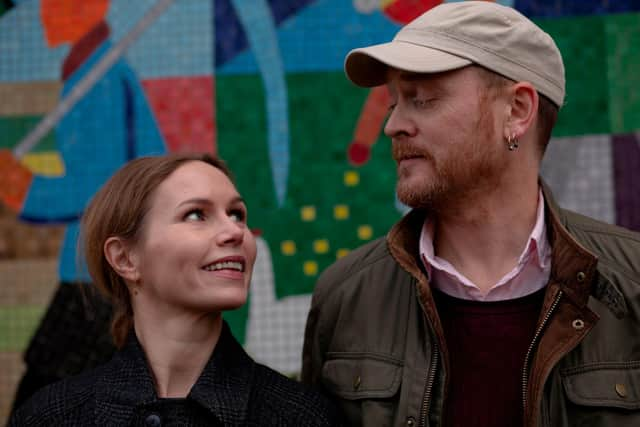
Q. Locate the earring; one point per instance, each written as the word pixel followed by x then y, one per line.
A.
pixel 512 142
pixel 135 287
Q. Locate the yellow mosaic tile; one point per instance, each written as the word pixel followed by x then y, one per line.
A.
pixel 321 246
pixel 341 252
pixel 310 268
pixel 351 178
pixel 308 213
pixel 365 232
pixel 288 247
pixel 341 212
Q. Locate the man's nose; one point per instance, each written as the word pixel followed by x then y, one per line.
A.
pixel 398 123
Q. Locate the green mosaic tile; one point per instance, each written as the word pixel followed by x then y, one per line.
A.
pixel 13 129
pixel 17 325
pixel 242 139
pixel 622 34
pixel 322 214
pixel 582 43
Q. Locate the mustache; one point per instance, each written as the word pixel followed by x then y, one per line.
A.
pixel 401 151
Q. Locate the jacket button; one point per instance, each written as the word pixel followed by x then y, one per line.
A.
pixel 581 276
pixel 411 422
pixel 578 324
pixel 153 420
pixel 621 390
pixel 356 382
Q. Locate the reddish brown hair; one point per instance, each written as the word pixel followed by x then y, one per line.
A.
pixel 118 209
pixel 547 110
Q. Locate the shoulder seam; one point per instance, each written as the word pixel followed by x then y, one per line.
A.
pixel 369 262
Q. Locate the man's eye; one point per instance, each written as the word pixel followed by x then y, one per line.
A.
pixel 194 215
pixel 421 103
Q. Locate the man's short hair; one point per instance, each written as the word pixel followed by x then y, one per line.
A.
pixel 547 110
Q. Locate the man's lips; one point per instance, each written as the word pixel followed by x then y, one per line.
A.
pixel 403 151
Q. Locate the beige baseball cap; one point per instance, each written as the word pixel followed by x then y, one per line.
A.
pixel 454 35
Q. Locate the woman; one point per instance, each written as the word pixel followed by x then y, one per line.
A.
pixel 166 239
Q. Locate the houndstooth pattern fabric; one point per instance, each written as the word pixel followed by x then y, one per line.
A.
pixel 232 390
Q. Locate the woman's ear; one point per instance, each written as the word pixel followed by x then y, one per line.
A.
pixel 121 258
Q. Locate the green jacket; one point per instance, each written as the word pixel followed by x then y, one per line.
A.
pixel 374 341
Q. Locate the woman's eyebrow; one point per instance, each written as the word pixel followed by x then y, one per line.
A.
pixel 206 201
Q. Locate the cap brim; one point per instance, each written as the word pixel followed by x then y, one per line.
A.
pixel 367 66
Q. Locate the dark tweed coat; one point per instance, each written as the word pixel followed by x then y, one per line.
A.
pixel 233 390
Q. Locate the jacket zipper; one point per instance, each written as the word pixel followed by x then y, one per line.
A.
pixel 429 387
pixel 525 370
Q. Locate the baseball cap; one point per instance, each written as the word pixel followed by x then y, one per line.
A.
pixel 454 35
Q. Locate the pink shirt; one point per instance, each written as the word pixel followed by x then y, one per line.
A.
pixel 529 275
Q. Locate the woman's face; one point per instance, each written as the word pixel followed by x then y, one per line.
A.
pixel 196 252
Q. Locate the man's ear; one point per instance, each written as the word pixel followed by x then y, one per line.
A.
pixel 121 258
pixel 523 109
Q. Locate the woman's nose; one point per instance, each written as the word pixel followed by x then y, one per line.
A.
pixel 231 232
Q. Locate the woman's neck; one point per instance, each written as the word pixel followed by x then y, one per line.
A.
pixel 177 349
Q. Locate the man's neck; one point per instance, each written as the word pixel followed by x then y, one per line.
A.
pixel 484 237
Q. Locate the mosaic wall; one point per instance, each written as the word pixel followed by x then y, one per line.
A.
pixel 260 82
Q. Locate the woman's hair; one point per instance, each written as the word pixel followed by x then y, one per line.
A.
pixel 118 209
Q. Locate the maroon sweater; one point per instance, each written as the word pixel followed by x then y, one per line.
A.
pixel 487 343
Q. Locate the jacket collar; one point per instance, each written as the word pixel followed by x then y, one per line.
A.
pixel 223 388
pixel 573 265
pixel 596 283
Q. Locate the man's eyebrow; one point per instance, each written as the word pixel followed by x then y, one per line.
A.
pixel 412 77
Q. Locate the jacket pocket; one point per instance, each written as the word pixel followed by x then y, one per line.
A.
pixel 366 384
pixel 614 385
pixel 601 395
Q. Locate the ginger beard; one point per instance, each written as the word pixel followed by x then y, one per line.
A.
pixel 466 166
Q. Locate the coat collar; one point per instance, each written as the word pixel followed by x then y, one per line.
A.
pixel 223 388
pixel 597 282
pixel 569 257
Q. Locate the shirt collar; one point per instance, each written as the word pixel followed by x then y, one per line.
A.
pixel 537 245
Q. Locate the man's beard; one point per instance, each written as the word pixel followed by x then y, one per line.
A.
pixel 473 169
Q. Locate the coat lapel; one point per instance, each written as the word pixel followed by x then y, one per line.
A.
pixel 225 384
pixel 123 384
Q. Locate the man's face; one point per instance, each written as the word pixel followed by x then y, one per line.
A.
pixel 446 136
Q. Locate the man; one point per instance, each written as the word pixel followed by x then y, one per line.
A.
pixel 486 305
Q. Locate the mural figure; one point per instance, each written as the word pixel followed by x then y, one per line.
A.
pixel 110 125
pixel 257 20
pixel 275 327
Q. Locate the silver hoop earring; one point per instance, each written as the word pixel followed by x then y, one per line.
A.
pixel 512 142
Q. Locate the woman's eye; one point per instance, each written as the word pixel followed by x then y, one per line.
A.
pixel 194 215
pixel 390 108
pixel 238 215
